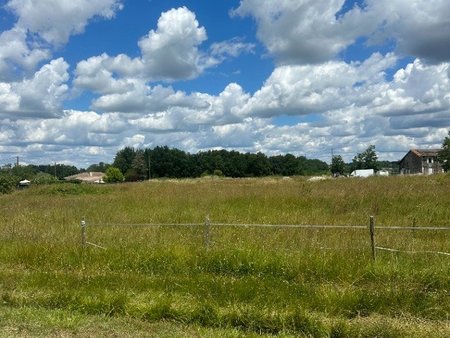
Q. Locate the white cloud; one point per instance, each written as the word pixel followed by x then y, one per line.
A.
pixel 98 74
pixel 416 89
pixel 309 31
pixel 40 96
pixel 304 31
pixel 16 56
pixel 142 98
pixel 135 141
pixel 419 28
pixel 40 27
pixel 55 20
pixel 344 105
pixel 308 89
pixel 220 51
pixel 73 128
pixel 171 51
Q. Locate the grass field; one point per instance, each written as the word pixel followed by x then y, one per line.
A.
pixel 161 281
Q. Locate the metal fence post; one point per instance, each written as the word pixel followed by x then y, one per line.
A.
pixel 207 232
pixel 83 233
pixel 372 236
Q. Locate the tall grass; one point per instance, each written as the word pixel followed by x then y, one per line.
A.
pixel 270 281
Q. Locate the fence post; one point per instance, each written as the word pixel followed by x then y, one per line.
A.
pixel 207 232
pixel 83 233
pixel 372 236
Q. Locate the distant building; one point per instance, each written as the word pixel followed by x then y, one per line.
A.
pixel 383 172
pixel 362 173
pixel 87 177
pixel 420 161
pixel 24 184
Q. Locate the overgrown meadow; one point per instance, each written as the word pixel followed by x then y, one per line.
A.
pixel 183 279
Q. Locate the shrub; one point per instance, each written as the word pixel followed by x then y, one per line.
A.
pixel 7 183
pixel 44 178
pixel 218 172
pixel 113 175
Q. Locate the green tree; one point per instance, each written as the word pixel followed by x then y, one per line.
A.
pixel 368 159
pixel 124 159
pixel 113 175
pixel 100 167
pixel 338 166
pixel 258 165
pixel 139 166
pixel 444 154
pixel 313 166
pixel 285 165
pixel 23 171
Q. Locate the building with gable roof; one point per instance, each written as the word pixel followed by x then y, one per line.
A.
pixel 420 161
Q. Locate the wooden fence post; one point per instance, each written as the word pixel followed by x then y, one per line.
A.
pixel 207 232
pixel 83 233
pixel 372 236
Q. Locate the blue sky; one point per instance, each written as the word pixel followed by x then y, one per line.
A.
pixel 81 79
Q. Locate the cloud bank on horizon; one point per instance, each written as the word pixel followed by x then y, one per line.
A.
pixel 291 76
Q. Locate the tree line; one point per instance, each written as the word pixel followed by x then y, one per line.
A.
pixel 162 161
pixel 10 175
pixel 132 164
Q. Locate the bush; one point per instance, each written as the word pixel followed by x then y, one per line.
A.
pixel 8 183
pixel 113 175
pixel 218 172
pixel 44 178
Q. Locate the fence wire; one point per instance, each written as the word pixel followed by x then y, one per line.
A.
pixel 261 225
pixel 207 225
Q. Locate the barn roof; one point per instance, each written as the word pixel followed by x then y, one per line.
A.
pixel 425 152
pixel 422 153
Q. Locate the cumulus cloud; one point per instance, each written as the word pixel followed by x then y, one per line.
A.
pixel 191 112
pixel 416 89
pixel 419 28
pixel 16 56
pixel 40 96
pixel 348 105
pixel 40 27
pixel 142 98
pixel 171 51
pixel 72 128
pixel 308 89
pixel 100 74
pixel 55 21
pixel 315 31
pixel 304 31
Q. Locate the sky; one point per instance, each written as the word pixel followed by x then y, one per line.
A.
pixel 81 79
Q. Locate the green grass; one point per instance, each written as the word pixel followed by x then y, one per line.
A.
pixel 161 281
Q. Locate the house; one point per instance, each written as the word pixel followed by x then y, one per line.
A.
pixel 87 177
pixel 420 161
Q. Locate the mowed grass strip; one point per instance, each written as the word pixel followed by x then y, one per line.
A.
pixel 250 280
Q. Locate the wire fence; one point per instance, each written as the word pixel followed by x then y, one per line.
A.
pixel 207 230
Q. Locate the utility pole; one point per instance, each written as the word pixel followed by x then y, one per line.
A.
pixel 17 162
pixel 55 169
